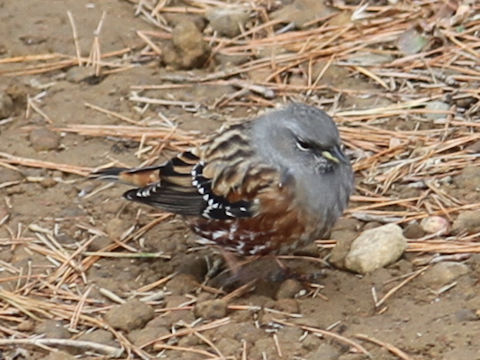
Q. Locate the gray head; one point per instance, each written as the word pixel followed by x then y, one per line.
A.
pixel 304 142
pixel 299 134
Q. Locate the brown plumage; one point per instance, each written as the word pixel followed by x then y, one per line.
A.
pixel 263 186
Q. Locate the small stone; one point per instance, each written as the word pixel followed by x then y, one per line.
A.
pixel 340 252
pixel 466 315
pixel 211 309
pixel 287 305
pixel 43 139
pixel 288 289
pixel 435 225
pixel 301 12
pixel 227 21
pixel 343 235
pixel 6 106
pixel 411 42
pixel 469 178
pixel 174 19
pixel 439 109
pixel 48 182
pixel 188 49
pixel 444 273
pixel 413 231
pixel 325 352
pixel 347 224
pixel 131 315
pixel 78 74
pixel 466 102
pixel 468 221
pixel 52 329
pixel 376 248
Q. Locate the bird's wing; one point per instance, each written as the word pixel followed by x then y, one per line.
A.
pixel 219 180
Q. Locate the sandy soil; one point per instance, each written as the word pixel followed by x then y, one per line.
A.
pixel 275 320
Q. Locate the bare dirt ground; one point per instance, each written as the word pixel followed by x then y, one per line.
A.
pixel 86 275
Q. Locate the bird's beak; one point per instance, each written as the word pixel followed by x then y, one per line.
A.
pixel 336 155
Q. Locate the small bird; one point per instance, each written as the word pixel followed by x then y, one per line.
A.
pixel 265 186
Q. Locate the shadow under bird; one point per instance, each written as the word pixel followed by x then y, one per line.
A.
pixel 265 186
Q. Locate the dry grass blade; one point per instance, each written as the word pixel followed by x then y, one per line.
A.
pixel 328 334
pixel 82 345
pixel 394 350
pixel 67 168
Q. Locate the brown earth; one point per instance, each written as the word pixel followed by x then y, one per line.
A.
pixel 276 320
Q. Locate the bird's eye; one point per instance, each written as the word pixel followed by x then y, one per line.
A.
pixel 303 146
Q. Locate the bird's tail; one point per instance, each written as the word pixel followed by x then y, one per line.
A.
pixel 138 176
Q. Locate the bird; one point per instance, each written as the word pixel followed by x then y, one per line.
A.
pixel 265 186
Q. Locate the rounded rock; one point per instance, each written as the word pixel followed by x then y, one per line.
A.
pixel 288 289
pixel 227 21
pixel 43 139
pixel 468 221
pixel 376 248
pixel 435 225
pixel 444 273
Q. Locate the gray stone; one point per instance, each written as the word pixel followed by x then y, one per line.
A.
pixel 288 289
pixel 188 49
pixel 376 248
pixel 411 42
pixel 444 273
pixel 469 178
pixel 341 249
pixel 43 139
pixel 227 21
pixel 468 221
pixel 301 12
pixel 78 74
pixel 437 106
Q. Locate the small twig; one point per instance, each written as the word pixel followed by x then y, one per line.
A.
pixel 394 350
pixel 86 345
pixel 75 38
pixel 329 334
pixel 399 286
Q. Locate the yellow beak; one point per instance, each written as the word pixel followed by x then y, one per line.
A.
pixel 328 155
